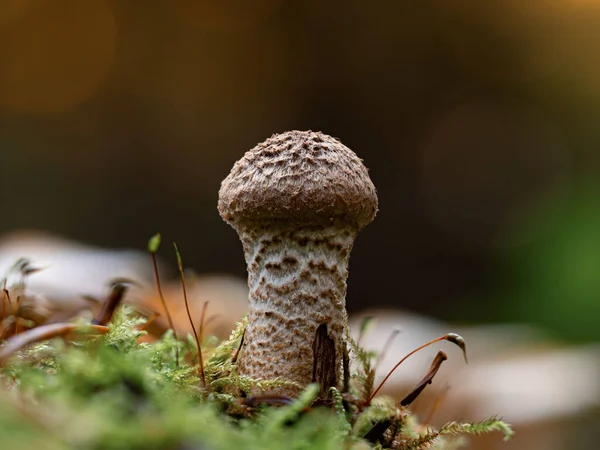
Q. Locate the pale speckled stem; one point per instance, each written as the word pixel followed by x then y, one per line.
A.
pixel 297 280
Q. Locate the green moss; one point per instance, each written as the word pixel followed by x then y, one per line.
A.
pixel 111 392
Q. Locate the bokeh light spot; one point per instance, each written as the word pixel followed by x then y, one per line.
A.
pixel 223 15
pixel 55 55
pixel 487 165
pixel 12 9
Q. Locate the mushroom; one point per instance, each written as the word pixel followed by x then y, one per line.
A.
pixel 297 202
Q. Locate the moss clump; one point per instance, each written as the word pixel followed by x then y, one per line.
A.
pixel 112 392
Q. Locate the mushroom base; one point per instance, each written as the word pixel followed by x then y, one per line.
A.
pixel 297 281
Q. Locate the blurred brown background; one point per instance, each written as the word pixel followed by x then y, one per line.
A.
pixel 477 119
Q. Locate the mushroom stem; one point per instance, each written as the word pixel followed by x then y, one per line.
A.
pixel 297 280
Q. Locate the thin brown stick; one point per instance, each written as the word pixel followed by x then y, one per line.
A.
pixel 17 323
pixel 440 398
pixel 202 317
pixel 42 333
pixel 211 319
pixel 346 368
pixel 189 314
pixel 427 379
pixel 7 293
pixel 450 337
pixel 385 348
pixel 237 352
pixel 110 304
pixel 3 327
pixel 4 299
pixel 153 247
pixel 377 431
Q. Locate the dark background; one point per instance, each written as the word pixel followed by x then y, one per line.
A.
pixel 477 119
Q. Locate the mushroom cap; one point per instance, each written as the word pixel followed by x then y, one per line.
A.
pixel 302 177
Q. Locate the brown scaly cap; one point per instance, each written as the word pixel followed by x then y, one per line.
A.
pixel 298 176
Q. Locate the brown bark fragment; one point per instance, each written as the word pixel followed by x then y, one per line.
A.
pixel 325 361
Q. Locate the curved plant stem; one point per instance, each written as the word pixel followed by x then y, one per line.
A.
pixel 153 248
pixel 450 337
pixel 189 314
